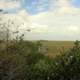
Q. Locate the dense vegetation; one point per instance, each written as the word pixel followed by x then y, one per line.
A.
pixel 23 60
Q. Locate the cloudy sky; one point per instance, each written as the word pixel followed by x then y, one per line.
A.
pixel 47 19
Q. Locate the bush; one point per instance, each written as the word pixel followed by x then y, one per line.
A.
pixel 16 57
pixel 24 62
pixel 64 67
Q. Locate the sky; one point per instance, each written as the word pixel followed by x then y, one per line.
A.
pixel 47 19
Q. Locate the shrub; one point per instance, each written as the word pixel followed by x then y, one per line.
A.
pixel 64 67
pixel 24 62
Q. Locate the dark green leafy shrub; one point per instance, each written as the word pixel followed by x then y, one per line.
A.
pixel 64 67
pixel 17 57
pixel 24 62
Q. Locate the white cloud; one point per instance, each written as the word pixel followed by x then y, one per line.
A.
pixel 9 4
pixel 38 28
pixel 60 25
pixel 61 7
pixel 74 30
pixel 20 19
pixel 63 21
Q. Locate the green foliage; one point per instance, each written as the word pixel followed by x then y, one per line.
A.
pixel 14 61
pixel 23 61
pixel 64 67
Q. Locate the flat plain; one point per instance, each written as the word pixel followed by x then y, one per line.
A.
pixel 57 47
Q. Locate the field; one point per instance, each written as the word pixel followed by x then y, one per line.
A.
pixel 57 47
pixel 52 48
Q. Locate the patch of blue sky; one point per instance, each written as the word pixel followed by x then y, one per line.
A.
pixel 76 3
pixel 36 6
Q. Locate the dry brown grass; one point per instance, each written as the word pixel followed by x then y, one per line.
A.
pixel 57 47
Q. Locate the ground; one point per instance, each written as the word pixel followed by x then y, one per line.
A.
pixel 56 47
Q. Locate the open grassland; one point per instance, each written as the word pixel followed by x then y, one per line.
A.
pixel 57 47
pixel 50 48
